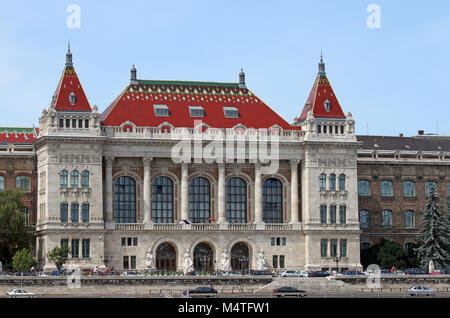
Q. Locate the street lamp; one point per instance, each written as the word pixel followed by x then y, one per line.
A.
pixel 337 259
pixel 99 240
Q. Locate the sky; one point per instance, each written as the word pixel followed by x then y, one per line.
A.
pixel 389 67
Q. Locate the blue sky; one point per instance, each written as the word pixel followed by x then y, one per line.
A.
pixel 394 79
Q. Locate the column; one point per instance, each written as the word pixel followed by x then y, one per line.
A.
pixel 294 191
pixel 258 195
pixel 109 213
pixel 184 192
pixel 147 189
pixel 221 195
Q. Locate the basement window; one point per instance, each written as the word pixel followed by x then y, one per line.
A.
pixel 161 110
pixel 196 111
pixel 231 112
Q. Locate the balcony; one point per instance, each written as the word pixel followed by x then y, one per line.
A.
pixel 206 227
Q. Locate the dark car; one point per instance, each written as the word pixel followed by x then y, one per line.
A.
pixel 319 274
pixel 415 271
pixel 203 292
pixel 352 273
pixel 444 271
pixel 261 273
pixel 287 291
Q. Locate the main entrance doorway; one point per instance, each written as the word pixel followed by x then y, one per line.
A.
pixel 166 257
pixel 203 258
pixel 240 257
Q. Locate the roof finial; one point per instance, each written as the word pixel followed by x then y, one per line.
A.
pixel 242 79
pixel 321 66
pixel 133 79
pixel 68 55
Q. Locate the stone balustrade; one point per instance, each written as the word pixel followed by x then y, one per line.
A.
pixel 207 227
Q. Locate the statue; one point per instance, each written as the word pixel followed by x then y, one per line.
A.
pixel 187 263
pixel 225 261
pixel 261 264
pixel 431 267
pixel 149 262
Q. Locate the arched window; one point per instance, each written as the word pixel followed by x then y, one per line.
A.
pixel 199 200
pixel 236 200
pixel 409 189
pixel 23 183
pixel 323 181
pixel 342 182
pixel 429 186
pixel 63 179
pixel 332 181
pixel 363 188
pixel 74 179
pixel 364 219
pixel 409 219
pixel 272 201
pixel 85 179
pixel 125 200
pixel 2 183
pixel 386 188
pixel 387 218
pixel 162 200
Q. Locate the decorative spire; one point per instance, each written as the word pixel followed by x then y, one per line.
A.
pixel 242 79
pixel 133 79
pixel 68 56
pixel 321 66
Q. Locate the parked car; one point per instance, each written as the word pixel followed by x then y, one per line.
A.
pixel 319 274
pixel 294 274
pixel 40 274
pixel 444 271
pixel 415 271
pixel 4 274
pixel 202 292
pixel 22 274
pixel 287 291
pixel 421 290
pixel 352 272
pixel 19 293
pixel 265 273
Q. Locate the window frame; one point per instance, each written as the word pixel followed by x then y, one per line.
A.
pixel 364 184
pixel 272 189
pixel 236 200
pixel 386 185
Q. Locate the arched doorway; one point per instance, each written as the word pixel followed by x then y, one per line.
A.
pixel 203 258
pixel 240 257
pixel 166 257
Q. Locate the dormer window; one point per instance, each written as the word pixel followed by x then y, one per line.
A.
pixel 196 111
pixel 327 105
pixel 161 110
pixel 231 112
pixel 72 98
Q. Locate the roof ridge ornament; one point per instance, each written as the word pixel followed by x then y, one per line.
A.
pixel 242 79
pixel 68 55
pixel 133 79
pixel 322 72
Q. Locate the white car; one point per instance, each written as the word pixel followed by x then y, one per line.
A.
pixel 19 293
pixel 421 290
pixel 294 274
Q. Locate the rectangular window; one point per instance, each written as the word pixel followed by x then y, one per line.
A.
pixel 283 241
pixel 26 214
pixel 342 214
pixel 74 212
pixel 323 247
pixel 196 111
pixel 133 262
pixel 387 218
pixel 281 261
pixel 332 214
pixel 365 245
pixel 126 263
pixel 63 212
pixel 61 123
pixel 231 112
pixel 86 248
pixel 325 129
pixel 275 261
pixel 129 241
pixel 333 248
pixel 75 248
pixel 161 110
pixel 278 241
pixel 336 130
pixel 343 248
pixel 124 241
pixel 74 123
pixel 342 130
pixel 319 129
pixel 85 212
pixel 23 183
pixel 135 241
pixel 67 123
pixel 80 123
pixel 272 241
pixel 2 183
pixel 323 214
pixel 64 242
pixel 86 123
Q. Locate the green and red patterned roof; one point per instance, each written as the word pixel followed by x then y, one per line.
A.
pixel 18 135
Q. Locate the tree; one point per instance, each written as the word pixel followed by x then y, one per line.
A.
pixel 59 256
pixel 385 254
pixel 433 240
pixel 23 260
pixel 13 232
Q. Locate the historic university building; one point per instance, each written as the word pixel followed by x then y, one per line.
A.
pixel 172 169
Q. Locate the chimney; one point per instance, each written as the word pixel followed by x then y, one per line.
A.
pixel 420 132
pixel 400 134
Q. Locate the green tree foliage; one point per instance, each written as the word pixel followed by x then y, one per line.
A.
pixel 59 256
pixel 13 232
pixel 433 240
pixel 387 254
pixel 23 260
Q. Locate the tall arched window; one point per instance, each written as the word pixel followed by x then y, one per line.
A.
pixel 332 181
pixel 2 183
pixel 199 200
pixel 363 188
pixel 364 219
pixel 272 201
pixel 125 200
pixel 409 189
pixel 409 219
pixel 23 183
pixel 85 179
pixel 386 188
pixel 387 218
pixel 342 182
pixel 74 179
pixel 236 200
pixel 323 181
pixel 63 179
pixel 429 186
pixel 162 200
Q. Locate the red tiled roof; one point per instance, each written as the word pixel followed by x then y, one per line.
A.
pixel 17 135
pixel 69 83
pixel 135 104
